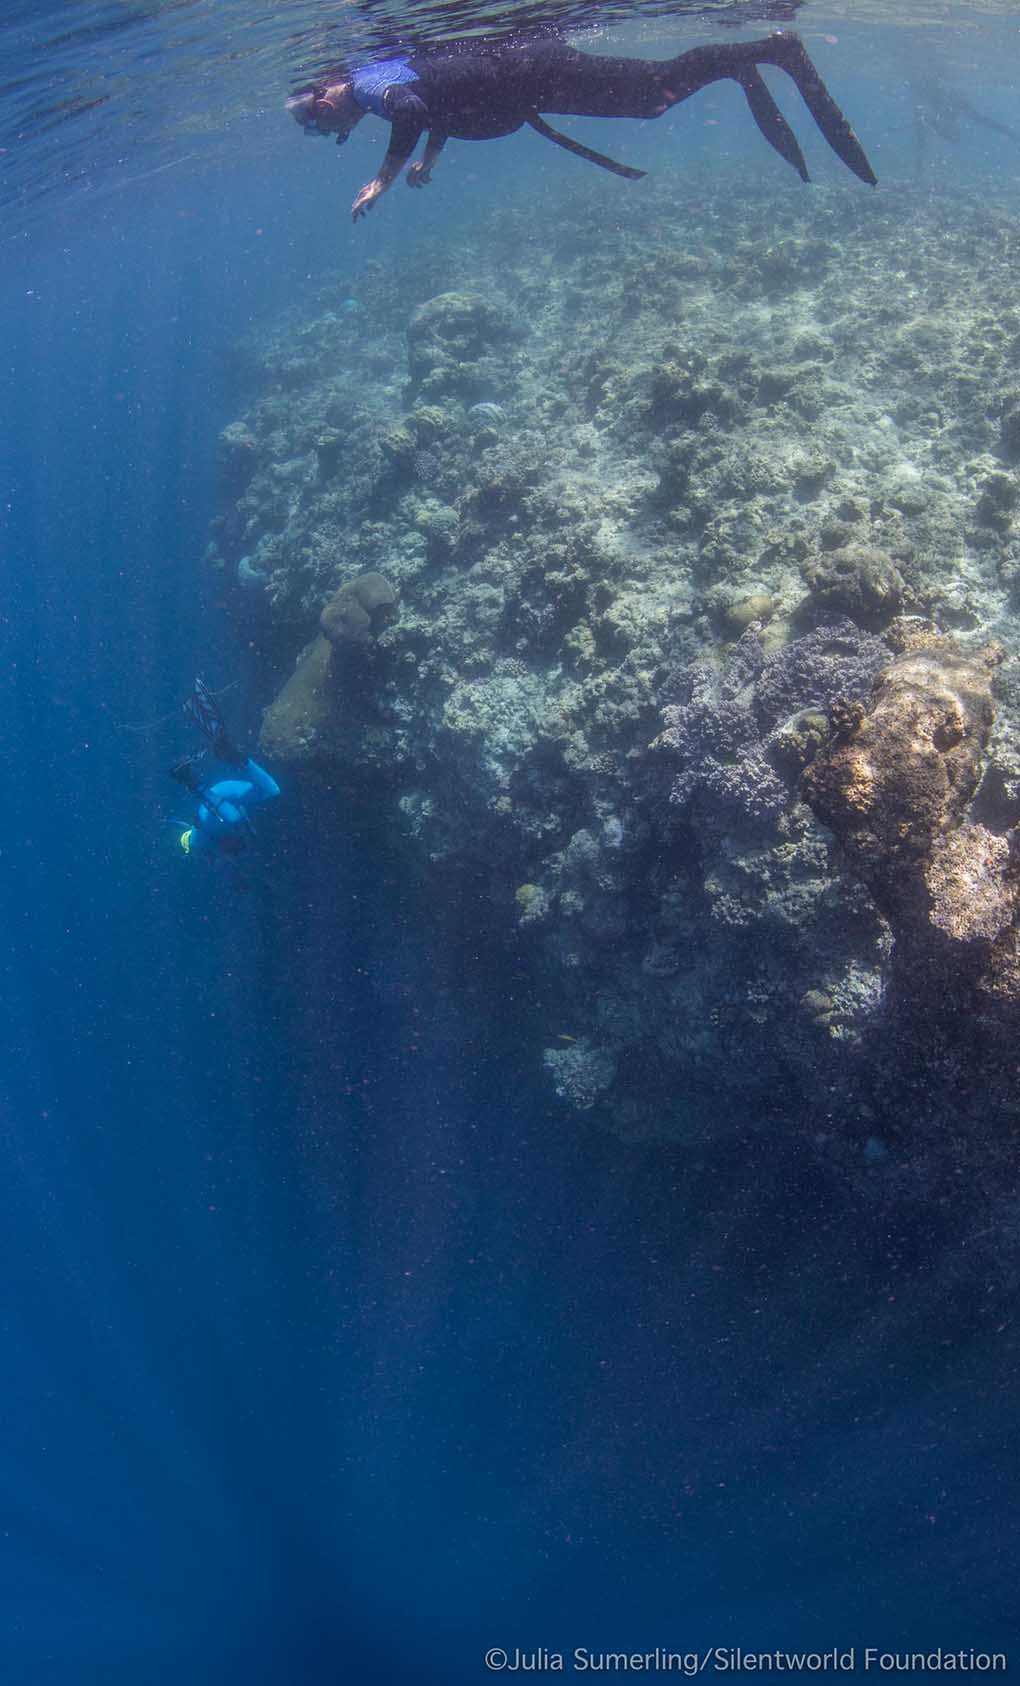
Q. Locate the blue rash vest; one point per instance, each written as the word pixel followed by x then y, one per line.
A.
pixel 227 811
pixel 372 80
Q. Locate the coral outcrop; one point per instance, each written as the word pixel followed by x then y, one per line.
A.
pixel 296 726
pixel 858 581
pixel 667 511
pixel 733 735
pixel 354 614
pixel 895 784
pixel 332 683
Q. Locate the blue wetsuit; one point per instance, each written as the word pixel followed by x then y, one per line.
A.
pixel 222 819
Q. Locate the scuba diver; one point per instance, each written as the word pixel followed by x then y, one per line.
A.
pixel 222 823
pixel 477 89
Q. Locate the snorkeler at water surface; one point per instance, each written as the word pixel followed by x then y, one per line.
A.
pixel 478 90
pixel 222 821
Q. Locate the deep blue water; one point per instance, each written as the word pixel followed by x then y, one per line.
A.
pixel 333 1351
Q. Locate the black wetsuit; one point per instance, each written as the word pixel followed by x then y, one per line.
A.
pixel 475 90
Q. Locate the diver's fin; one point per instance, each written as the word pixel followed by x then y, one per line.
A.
pixel 771 121
pixel 541 127
pixel 201 708
pixel 788 52
pixel 202 711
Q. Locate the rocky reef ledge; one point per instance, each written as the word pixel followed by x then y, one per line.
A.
pixel 669 577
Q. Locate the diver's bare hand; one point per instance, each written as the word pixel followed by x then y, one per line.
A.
pixel 372 191
pixel 418 175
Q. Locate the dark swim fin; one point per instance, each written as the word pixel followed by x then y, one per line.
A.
pixel 771 121
pixel 202 710
pixel 787 52
pixel 542 128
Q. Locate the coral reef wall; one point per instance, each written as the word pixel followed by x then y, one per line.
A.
pixel 697 532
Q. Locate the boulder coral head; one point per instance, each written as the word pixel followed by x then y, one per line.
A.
pixel 858 581
pixel 894 783
pixel 301 724
pixel 294 724
pixel 901 771
pixel 354 614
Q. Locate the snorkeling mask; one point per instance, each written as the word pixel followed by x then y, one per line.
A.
pixel 326 109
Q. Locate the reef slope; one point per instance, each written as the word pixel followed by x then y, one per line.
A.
pixel 697 534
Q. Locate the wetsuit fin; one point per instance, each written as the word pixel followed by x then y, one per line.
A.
pixel 542 128
pixel 771 121
pixel 789 54
pixel 202 710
